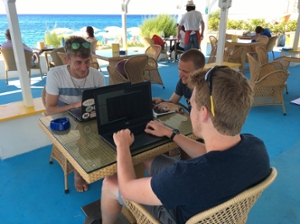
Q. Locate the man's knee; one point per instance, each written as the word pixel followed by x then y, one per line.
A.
pixel 110 184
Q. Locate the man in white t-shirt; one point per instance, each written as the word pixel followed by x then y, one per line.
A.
pixel 191 20
pixel 65 84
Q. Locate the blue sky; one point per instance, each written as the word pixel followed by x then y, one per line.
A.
pixel 240 8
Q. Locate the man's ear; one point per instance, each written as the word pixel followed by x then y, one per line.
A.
pixel 204 113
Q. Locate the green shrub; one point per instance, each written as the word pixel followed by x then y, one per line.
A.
pixel 52 38
pixel 250 25
pixel 156 24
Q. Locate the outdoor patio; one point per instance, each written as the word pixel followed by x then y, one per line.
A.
pixel 32 189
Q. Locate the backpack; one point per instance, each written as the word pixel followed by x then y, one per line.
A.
pixel 157 40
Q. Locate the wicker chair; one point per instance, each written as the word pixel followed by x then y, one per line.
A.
pixel 268 82
pixel 214 45
pixel 233 55
pixel 149 42
pixel 55 60
pixel 263 58
pixel 151 72
pixel 58 156
pixel 235 210
pixel 271 44
pixel 10 63
pixel 62 56
pixel 133 67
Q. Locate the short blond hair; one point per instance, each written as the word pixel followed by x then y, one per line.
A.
pixel 232 97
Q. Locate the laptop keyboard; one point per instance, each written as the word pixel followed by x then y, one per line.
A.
pixel 136 130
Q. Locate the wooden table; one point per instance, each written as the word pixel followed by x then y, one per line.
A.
pixel 234 66
pixel 92 157
pixel 112 61
pixel 246 44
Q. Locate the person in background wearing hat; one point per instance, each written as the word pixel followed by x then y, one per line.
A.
pixel 8 44
pixel 191 21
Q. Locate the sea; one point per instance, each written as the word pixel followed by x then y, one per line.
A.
pixel 33 27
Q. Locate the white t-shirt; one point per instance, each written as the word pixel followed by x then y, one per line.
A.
pixel 59 82
pixel 191 20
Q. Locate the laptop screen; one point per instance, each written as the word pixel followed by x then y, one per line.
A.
pixel 123 107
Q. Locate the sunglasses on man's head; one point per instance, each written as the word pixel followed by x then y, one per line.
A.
pixel 76 45
pixel 208 79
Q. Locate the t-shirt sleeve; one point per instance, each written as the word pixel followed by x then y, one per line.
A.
pixel 179 89
pixel 52 84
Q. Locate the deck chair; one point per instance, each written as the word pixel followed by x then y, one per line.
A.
pixel 55 59
pixel 151 72
pixel 10 63
pixel 57 155
pixel 234 211
pixel 268 82
pixel 133 68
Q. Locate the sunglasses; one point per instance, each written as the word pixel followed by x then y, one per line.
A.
pixel 76 45
pixel 208 79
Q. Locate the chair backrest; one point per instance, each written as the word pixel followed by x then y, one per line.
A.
pixel 254 68
pixel 214 45
pixel 262 38
pixel 234 210
pixel 262 55
pixel 62 56
pixel 153 51
pixel 134 68
pixel 9 59
pixel 55 58
pixel 236 56
pixel 115 76
pixel 271 43
pixel 148 42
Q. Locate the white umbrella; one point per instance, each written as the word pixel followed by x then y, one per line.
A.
pixel 134 31
pixel 61 30
pixel 112 28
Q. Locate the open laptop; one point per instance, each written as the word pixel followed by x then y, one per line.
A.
pixel 120 108
pixel 87 110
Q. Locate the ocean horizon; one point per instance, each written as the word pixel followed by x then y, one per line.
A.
pixel 34 26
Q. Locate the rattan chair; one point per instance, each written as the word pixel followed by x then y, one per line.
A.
pixel 214 45
pixel 133 68
pixel 62 56
pixel 233 211
pixel 233 55
pixel 271 44
pixel 151 72
pixel 149 42
pixel 263 58
pixel 268 82
pixel 58 156
pixel 55 59
pixel 10 63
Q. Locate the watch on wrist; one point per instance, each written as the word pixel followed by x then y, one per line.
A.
pixel 180 110
pixel 175 132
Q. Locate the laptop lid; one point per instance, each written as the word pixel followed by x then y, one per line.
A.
pixel 87 110
pixel 120 108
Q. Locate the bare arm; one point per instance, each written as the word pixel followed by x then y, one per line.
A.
pixel 178 32
pixel 191 147
pixel 202 29
pixel 131 188
pixel 52 108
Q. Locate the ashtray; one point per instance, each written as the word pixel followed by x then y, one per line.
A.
pixel 122 52
pixel 60 124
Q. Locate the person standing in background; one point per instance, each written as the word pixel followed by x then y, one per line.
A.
pixel 91 38
pixel 191 21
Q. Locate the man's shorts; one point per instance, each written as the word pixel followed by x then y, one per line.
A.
pixel 165 216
